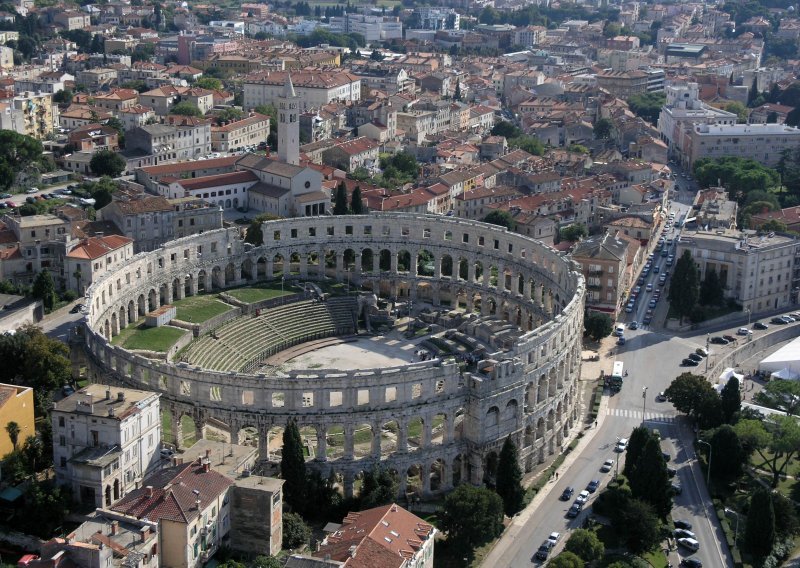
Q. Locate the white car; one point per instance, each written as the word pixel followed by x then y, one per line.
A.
pixel 607 466
pixel 553 538
pixel 622 445
pixel 582 497
pixel 743 331
pixel 689 543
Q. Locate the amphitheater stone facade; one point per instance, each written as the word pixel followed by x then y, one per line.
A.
pixel 527 390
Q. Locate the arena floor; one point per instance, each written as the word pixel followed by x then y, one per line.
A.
pixel 364 353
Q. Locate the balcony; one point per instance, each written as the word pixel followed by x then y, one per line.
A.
pixel 595 272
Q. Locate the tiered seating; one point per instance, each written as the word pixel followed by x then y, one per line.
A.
pixel 239 342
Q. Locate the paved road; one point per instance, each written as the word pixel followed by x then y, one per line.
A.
pixel 58 326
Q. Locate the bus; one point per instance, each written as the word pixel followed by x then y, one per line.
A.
pixel 615 382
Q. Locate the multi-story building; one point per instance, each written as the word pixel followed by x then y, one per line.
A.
pixel 145 219
pixel 35 114
pixel 352 154
pixel 234 135
pixel 604 260
pixel 39 242
pixel 162 99
pixel 757 272
pixel 72 20
pixel 92 257
pixel 625 84
pixel 389 80
pixel 94 137
pixel 435 18
pixel 313 89
pixel 16 405
pixel 373 28
pixel 117 100
pixel 169 143
pixel 530 35
pixel 104 441
pixel 96 78
pixel 764 143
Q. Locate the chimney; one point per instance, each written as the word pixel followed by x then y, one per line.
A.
pixel 208 453
pixel 108 394
pixel 149 490
pixel 206 466
pixel 145 533
pixel 120 396
pixel 114 527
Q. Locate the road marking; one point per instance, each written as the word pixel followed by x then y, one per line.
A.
pixel 637 414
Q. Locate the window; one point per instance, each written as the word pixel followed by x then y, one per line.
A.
pixel 62 441
pixel 60 421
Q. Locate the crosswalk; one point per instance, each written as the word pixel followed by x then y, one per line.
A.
pixel 637 414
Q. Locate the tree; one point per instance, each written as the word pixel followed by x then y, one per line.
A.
pixel 356 204
pixel 185 108
pixel 376 55
pixel 586 545
pixel 711 290
pixel 741 111
pixel 694 395
pixel 13 430
pixel 293 467
pixel 786 522
pixel 63 96
pixel 684 289
pixel 500 218
pixel 776 442
pixel 780 395
pixel 730 400
pixel 566 559
pixel 44 289
pixel 752 92
pixel 598 325
pixel 573 232
pixel 636 442
pixel 229 115
pixel 296 533
pixel 340 200
pixel 457 94
pixel 471 516
pixel 509 479
pixel 648 106
pixel 262 561
pixel 379 487
pixel 507 129
pixel 649 479
pixel 603 129
pixel 210 83
pixel 759 532
pixel 729 456
pixel 107 163
pixel 638 527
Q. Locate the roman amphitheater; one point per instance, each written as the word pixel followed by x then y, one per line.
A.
pixel 492 347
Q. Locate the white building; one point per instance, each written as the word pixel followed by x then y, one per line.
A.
pixel 764 143
pixel 104 440
pixel 313 89
pixel 757 272
pixel 92 257
pixel 373 28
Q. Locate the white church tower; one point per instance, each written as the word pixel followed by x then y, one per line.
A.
pixel 289 124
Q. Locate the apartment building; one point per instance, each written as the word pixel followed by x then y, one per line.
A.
pixel 624 84
pixel 104 441
pixel 604 260
pixel 234 135
pixel 162 99
pixel 757 272
pixel 313 88
pixel 373 28
pixel 34 114
pixel 352 154
pixel 34 243
pixel 764 143
pixel 16 405
pixel 170 143
pixel 92 257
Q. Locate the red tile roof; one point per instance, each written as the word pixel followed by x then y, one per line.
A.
pixel 95 247
pixel 218 180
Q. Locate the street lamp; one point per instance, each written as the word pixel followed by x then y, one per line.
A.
pixel 708 353
pixel 616 474
pixel 708 469
pixel 749 313
pixel 736 533
pixel 644 402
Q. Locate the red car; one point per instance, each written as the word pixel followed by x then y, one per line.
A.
pixel 10 204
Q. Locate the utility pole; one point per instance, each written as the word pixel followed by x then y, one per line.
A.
pixel 644 402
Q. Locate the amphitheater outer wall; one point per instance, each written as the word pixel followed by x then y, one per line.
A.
pixel 528 391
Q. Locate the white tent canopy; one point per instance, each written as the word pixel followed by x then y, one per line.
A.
pixel 785 374
pixel 785 358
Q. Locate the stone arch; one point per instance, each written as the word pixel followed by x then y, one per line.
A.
pixel 403 261
pixel 436 480
pixel 390 433
pixel 114 324
pixel 230 274
pixel 426 263
pixel 308 435
pixel 415 433
pixel 551 382
pixel 457 468
pixel 540 428
pixel 163 293
pixel 511 411
pixel 368 261
pixel 530 396
pixel 217 278
pixel 414 481
pixel 493 417
pixel 247 269
pixel 463 268
pixel 529 436
pixel 494 276
pixel 152 300
pixel 559 411
pixel 177 288
pixel 478 267
pixel 261 268
pixel 202 278
pixel 385 260
pixel 458 424
pixel 446 266
pixel 277 265
pixel 438 432
pixel 274 443
pixel 550 419
pixel 132 312
pixel 334 440
pixel 123 317
pixel 246 435
pixel 363 439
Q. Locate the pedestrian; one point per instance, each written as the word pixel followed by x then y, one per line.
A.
pixel 556 475
pixel 595 423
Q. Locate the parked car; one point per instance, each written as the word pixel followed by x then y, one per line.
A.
pixel 582 497
pixel 594 484
pixel 607 465
pixel 574 510
pixel 32 190
pixel 729 338
pixel 554 537
pixel 5 196
pixel 629 307
pixel 167 453
pixel 691 563
pixel 649 287
pixel 633 325
pixel 744 331
pixel 702 351
pixel 719 340
pixel 778 320
pixel 689 363
pixel 76 308
pixel 689 543
pixel 684 533
pixel 566 495
pixel 622 445
pixel 67 390
pixel 759 325
pixel 652 303
pixel 661 397
pixel 695 357
pixel 788 319
pixel 681 524
pixel 543 551
pixel 621 340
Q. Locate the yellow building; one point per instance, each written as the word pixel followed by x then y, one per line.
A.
pixel 16 405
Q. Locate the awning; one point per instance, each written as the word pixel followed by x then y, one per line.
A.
pixel 10 494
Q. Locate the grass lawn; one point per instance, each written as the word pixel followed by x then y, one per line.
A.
pixel 197 309
pixel 187 425
pixel 149 338
pixel 266 291
pixel 166 425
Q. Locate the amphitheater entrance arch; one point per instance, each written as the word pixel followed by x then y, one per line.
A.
pixel 438 433
pixel 478 267
pixel 463 268
pixel 308 436
pixel 202 278
pixel 425 262
pixel 261 268
pixel 446 266
pixel 152 300
pixel 217 278
pixel 458 424
pixel 403 261
pixel 367 261
pixel 277 266
pixel 436 480
pixel 131 312
pixel 349 259
pixel 458 470
pixel 390 431
pixel 362 440
pixel 415 432
pixel 163 293
pixel 247 269
pixel 334 440
pixel 385 260
pixel 275 443
pixel 414 481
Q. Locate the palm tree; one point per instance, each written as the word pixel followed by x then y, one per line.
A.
pixel 13 430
